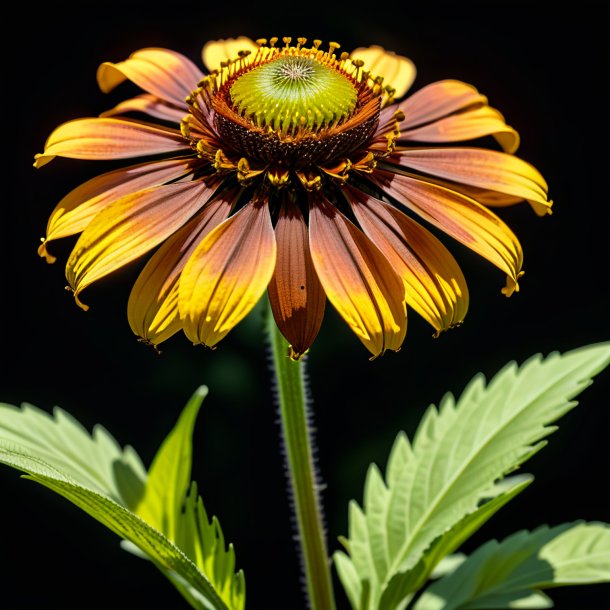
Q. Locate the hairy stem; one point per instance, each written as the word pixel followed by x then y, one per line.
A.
pixel 297 437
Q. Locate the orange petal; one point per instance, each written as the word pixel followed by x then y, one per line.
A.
pixel 297 298
pixel 435 285
pixel 166 74
pixel 148 104
pixel 109 139
pixel 152 309
pixel 216 51
pixel 397 71
pixel 439 100
pixel 76 210
pixel 461 217
pixel 130 227
pixel 481 168
pixel 468 125
pixel 358 280
pixel 227 274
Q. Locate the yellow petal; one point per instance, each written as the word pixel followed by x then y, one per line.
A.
pixel 76 210
pixel 461 217
pixel 148 104
pixel 166 74
pixel 216 51
pixel 152 309
pixel 467 125
pixel 397 71
pixel 435 285
pixel 110 139
pixel 481 168
pixel 227 274
pixel 130 227
pixel 358 280
pixel 439 100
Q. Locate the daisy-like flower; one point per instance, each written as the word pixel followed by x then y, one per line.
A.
pixel 294 170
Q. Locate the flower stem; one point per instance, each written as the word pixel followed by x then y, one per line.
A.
pixel 297 437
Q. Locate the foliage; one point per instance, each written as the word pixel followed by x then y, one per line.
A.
pixel 158 512
pixel 441 488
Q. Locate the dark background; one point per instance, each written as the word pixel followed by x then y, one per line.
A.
pixel 546 71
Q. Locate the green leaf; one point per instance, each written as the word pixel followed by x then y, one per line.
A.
pixel 170 472
pixel 459 453
pixel 509 574
pixel 156 515
pixel 95 461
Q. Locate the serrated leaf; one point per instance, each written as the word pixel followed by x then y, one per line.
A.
pixel 509 574
pixel 95 461
pixel 459 453
pixel 161 521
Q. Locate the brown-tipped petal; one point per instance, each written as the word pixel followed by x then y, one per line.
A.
pixel 148 104
pixel 130 227
pixel 152 309
pixel 435 285
pixel 461 217
pixel 227 274
pixel 166 74
pixel 76 210
pixel 358 280
pixel 468 125
pixel 110 139
pixel 481 168
pixel 397 71
pixel 439 100
pixel 296 296
pixel 216 51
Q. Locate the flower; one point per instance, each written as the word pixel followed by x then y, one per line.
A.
pixel 294 169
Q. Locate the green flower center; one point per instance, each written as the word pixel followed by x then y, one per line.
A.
pixel 293 93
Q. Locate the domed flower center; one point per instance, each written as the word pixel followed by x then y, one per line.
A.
pixel 291 111
pixel 291 93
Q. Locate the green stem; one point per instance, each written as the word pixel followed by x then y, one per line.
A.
pixel 299 457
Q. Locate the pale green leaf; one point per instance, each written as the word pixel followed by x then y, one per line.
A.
pixel 447 565
pixel 118 518
pixel 95 461
pixel 510 574
pixel 459 453
pixel 161 517
pixel 169 475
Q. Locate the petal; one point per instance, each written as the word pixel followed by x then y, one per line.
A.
pixel 296 295
pixel 227 274
pixel 397 71
pixel 152 309
pixel 110 139
pixel 216 51
pixel 358 280
pixel 130 227
pixel 148 104
pixel 166 74
pixel 439 100
pixel 76 210
pixel 461 217
pixel 468 125
pixel 485 169
pixel 435 285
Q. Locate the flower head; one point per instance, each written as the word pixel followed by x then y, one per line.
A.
pixel 294 170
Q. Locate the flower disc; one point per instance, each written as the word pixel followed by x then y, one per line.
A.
pixel 294 92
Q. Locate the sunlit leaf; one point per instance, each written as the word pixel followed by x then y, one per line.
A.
pixel 509 574
pixel 169 475
pixel 95 461
pixel 159 515
pixel 442 486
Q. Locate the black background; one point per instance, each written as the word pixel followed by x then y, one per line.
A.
pixel 548 73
